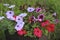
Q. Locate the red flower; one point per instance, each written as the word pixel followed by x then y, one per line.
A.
pixel 50 28
pixel 43 24
pixel 22 32
pixel 37 32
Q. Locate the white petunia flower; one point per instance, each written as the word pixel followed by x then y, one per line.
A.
pixel 10 13
pixel 12 6
pixel 23 14
pixel 6 5
pixel 1 18
pixel 30 9
pixel 19 19
pixel 19 26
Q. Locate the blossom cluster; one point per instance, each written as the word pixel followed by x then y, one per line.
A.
pixel 37 31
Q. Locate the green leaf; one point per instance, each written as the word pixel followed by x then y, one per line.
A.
pixel 46 32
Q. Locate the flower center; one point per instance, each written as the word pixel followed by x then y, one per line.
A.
pixel 41 17
pixel 9 12
pixel 18 18
pixel 17 25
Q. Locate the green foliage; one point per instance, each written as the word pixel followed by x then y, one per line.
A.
pixel 54 4
pixel 2 35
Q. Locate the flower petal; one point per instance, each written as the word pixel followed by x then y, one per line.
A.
pixel 6 5
pixel 10 17
pixel 1 18
pixel 12 6
pixel 23 14
pixel 54 14
pixel 38 9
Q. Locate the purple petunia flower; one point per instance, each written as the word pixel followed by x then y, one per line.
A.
pixel 41 17
pixel 38 10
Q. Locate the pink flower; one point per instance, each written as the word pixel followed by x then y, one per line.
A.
pixel 38 10
pixel 37 32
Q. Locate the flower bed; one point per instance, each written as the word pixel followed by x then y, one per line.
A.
pixel 33 20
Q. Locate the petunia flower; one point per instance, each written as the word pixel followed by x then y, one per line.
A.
pixel 41 17
pixel 38 10
pixel 30 9
pixel 19 26
pixel 19 19
pixel 33 19
pixel 12 6
pixel 6 5
pixel 37 32
pixel 2 17
pixel 10 13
